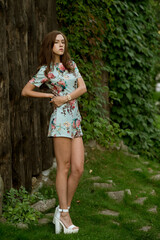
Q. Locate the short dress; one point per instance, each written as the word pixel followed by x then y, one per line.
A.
pixel 65 120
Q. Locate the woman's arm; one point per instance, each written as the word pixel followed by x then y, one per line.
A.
pixel 80 90
pixel 27 91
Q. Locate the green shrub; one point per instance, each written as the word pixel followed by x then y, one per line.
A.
pixel 16 206
pixel 47 192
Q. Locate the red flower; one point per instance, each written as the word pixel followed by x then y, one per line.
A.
pixel 61 67
pixel 77 123
pixel 50 75
pixel 59 88
pixel 44 80
pixel 61 83
pixel 74 125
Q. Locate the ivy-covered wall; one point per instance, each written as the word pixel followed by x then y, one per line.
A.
pixel 133 62
pixel 115 45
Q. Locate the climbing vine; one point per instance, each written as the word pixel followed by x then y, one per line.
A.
pixel 133 63
pixel 120 38
pixel 85 32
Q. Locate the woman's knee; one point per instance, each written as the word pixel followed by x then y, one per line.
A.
pixel 63 166
pixel 77 171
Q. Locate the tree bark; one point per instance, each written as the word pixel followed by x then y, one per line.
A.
pixel 5 133
pixel 25 150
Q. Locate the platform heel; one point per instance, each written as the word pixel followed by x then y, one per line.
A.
pixel 58 227
pixel 56 212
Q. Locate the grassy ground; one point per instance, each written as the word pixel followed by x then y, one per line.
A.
pixel 88 201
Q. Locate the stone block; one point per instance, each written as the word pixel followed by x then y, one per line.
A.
pixel 44 205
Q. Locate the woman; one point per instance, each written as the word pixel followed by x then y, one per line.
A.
pixel 62 76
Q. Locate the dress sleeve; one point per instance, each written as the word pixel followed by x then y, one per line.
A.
pixel 76 70
pixel 40 78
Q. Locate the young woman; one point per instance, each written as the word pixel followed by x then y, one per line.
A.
pixel 62 76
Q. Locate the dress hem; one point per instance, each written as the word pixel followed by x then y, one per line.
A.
pixel 65 136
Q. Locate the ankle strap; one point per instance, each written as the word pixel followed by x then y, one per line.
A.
pixel 63 210
pixel 68 207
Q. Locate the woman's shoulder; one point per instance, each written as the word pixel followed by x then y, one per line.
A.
pixel 72 63
pixel 41 68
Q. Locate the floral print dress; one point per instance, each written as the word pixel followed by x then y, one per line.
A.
pixel 65 120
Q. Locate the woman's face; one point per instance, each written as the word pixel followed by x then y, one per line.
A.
pixel 59 45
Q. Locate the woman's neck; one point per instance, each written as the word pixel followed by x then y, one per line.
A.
pixel 57 59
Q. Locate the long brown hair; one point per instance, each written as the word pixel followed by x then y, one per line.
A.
pixel 47 56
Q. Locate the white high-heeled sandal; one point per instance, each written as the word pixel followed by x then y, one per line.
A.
pixel 59 224
pixel 56 212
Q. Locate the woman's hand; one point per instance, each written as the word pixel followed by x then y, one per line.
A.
pixel 50 95
pixel 59 100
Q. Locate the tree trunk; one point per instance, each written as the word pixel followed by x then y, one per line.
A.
pixel 25 149
pixel 5 133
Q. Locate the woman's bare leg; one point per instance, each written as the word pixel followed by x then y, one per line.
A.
pixel 77 166
pixel 62 149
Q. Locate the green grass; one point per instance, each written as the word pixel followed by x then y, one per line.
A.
pixel 88 201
